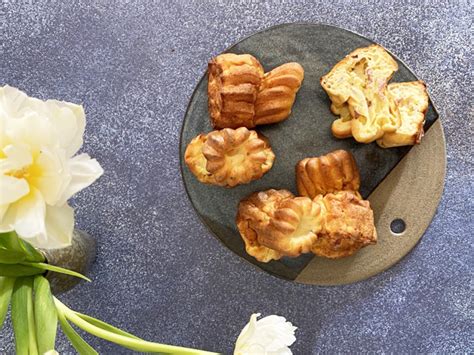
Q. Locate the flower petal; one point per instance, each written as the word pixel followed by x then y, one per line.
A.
pixel 12 189
pixel 50 174
pixel 59 226
pixel 271 335
pixel 33 130
pixel 3 210
pixel 26 216
pixel 17 157
pixel 11 101
pixel 84 171
pixel 69 120
pixel 246 333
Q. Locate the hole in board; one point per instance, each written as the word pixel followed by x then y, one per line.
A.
pixel 398 226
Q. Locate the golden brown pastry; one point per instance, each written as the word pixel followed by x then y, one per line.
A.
pixel 358 85
pixel 229 157
pixel 412 101
pixel 341 127
pixel 277 93
pixel 274 224
pixel 233 83
pixel 328 173
pixel 294 227
pixel 253 216
pixel 347 226
pixel 241 95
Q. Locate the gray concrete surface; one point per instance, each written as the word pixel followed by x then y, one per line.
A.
pixel 159 273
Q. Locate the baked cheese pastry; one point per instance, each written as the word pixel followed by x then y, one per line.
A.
pixel 253 216
pixel 347 225
pixel 341 127
pixel 412 101
pixel 229 157
pixel 358 84
pixel 241 95
pixel 277 93
pixel 328 173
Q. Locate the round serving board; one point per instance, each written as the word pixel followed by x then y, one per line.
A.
pixel 401 183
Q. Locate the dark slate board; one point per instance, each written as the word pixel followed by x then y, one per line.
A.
pixel 305 133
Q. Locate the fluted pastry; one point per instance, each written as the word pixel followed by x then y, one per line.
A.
pixel 294 227
pixel 229 157
pixel 233 83
pixel 328 173
pixel 274 224
pixel 358 85
pixel 412 101
pixel 277 93
pixel 254 214
pixel 241 95
pixel 347 226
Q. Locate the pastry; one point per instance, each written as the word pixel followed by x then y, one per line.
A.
pixel 412 101
pixel 358 85
pixel 233 83
pixel 241 95
pixel 274 224
pixel 294 227
pixel 341 127
pixel 329 173
pixel 229 157
pixel 277 93
pixel 253 216
pixel 347 225
pixel 367 107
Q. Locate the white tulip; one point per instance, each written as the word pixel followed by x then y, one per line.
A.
pixel 271 335
pixel 38 169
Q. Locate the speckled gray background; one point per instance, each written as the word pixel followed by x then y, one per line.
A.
pixel 159 273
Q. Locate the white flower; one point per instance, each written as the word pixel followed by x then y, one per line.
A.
pixel 51 352
pixel 38 169
pixel 271 335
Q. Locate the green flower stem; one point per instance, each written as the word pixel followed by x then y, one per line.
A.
pixel 131 343
pixel 31 322
pixel 6 288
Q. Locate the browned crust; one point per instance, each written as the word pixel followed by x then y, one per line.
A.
pixel 294 227
pixel 332 172
pixel 241 95
pixel 229 157
pixel 277 93
pixel 253 215
pixel 233 82
pixel 348 225
pixel 274 223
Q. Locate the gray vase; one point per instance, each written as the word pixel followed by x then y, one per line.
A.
pixel 79 257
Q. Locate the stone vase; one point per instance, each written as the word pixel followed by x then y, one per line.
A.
pixel 78 257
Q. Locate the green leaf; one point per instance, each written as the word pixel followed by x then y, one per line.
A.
pixel 6 288
pixel 105 326
pixel 11 242
pixel 18 270
pixel 77 342
pixel 23 317
pixel 33 254
pixel 46 316
pixel 11 256
pixel 58 269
